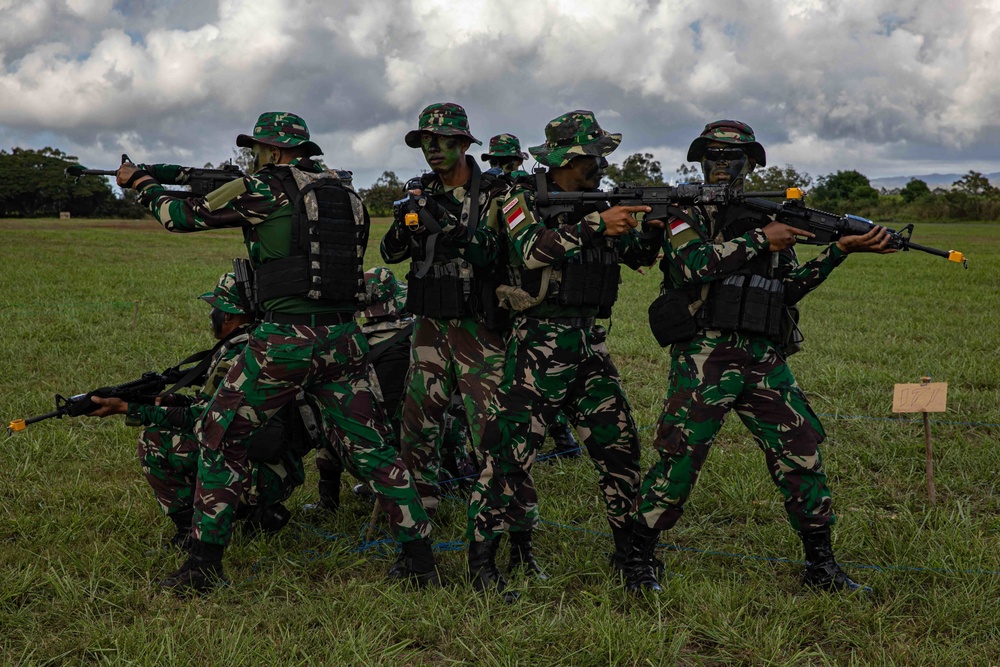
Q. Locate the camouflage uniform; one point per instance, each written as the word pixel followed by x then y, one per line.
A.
pixel 508 146
pixel 461 355
pixel 168 450
pixel 557 359
pixel 302 344
pixel 387 328
pixel 717 370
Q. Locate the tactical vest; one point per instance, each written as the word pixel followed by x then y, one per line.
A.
pixel 753 299
pixel 590 279
pixel 451 288
pixel 329 237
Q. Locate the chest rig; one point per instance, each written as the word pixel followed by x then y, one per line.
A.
pixel 587 280
pixel 753 299
pixel 441 284
pixel 329 236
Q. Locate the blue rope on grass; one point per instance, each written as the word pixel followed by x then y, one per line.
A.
pixel 387 542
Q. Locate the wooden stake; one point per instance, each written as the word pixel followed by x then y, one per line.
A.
pixel 930 458
pixel 135 314
pixel 371 523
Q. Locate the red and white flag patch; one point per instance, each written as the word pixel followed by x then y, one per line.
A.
pixel 677 226
pixel 513 212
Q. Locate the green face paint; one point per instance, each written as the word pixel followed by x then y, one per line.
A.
pixel 441 153
pixel 262 156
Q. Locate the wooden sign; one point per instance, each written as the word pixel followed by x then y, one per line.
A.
pixel 924 397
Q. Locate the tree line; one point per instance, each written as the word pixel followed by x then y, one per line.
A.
pixel 33 184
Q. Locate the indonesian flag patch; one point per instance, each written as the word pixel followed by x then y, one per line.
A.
pixel 677 226
pixel 513 212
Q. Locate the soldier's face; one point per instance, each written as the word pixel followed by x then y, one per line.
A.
pixel 507 164
pixel 723 163
pixel 442 153
pixel 262 155
pixel 218 319
pixel 590 170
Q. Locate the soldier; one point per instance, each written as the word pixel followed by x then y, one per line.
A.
pixel 168 449
pixel 306 232
pixel 565 268
pixel 505 158
pixel 736 271
pixel 458 340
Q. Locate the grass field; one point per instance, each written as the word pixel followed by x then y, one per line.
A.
pixel 90 303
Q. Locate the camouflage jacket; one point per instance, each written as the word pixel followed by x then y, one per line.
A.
pixel 257 204
pixel 480 250
pixel 537 243
pixel 698 256
pixel 184 418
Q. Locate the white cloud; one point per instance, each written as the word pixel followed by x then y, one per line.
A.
pixel 857 84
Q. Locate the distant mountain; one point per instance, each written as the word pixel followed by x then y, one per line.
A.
pixel 932 180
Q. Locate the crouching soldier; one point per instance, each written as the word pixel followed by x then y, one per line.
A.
pixel 169 451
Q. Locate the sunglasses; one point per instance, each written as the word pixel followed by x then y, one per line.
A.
pixel 727 154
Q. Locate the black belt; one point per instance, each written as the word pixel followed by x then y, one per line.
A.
pixel 313 320
pixel 578 322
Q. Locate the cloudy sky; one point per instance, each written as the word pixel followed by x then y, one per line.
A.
pixel 887 87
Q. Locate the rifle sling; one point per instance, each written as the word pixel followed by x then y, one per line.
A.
pixel 381 348
pixel 204 361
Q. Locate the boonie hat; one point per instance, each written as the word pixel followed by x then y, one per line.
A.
pixel 504 145
pixel 386 296
pixel 572 135
pixel 728 132
pixel 444 118
pixel 225 296
pixel 281 129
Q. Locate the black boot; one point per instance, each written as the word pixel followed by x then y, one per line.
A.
pixel 622 536
pixel 639 573
pixel 181 541
pixel 565 443
pixel 268 520
pixel 363 491
pixel 483 572
pixel 329 496
pixel 201 572
pixel 521 556
pixel 415 564
pixel 822 570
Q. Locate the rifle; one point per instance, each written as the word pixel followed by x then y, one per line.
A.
pixel 202 181
pixel 827 227
pixel 143 390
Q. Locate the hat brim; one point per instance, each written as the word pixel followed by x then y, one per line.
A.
pixel 486 156
pixel 246 141
pixel 412 137
pixel 220 304
pixel 559 157
pixel 754 150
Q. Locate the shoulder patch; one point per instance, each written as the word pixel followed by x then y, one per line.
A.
pixel 680 232
pixel 517 213
pixel 222 195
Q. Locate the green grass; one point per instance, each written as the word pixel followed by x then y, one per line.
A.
pixel 76 517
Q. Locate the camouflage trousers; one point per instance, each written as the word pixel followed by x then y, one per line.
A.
pixel 447 357
pixel 329 364
pixel 169 460
pixel 709 376
pixel 550 368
